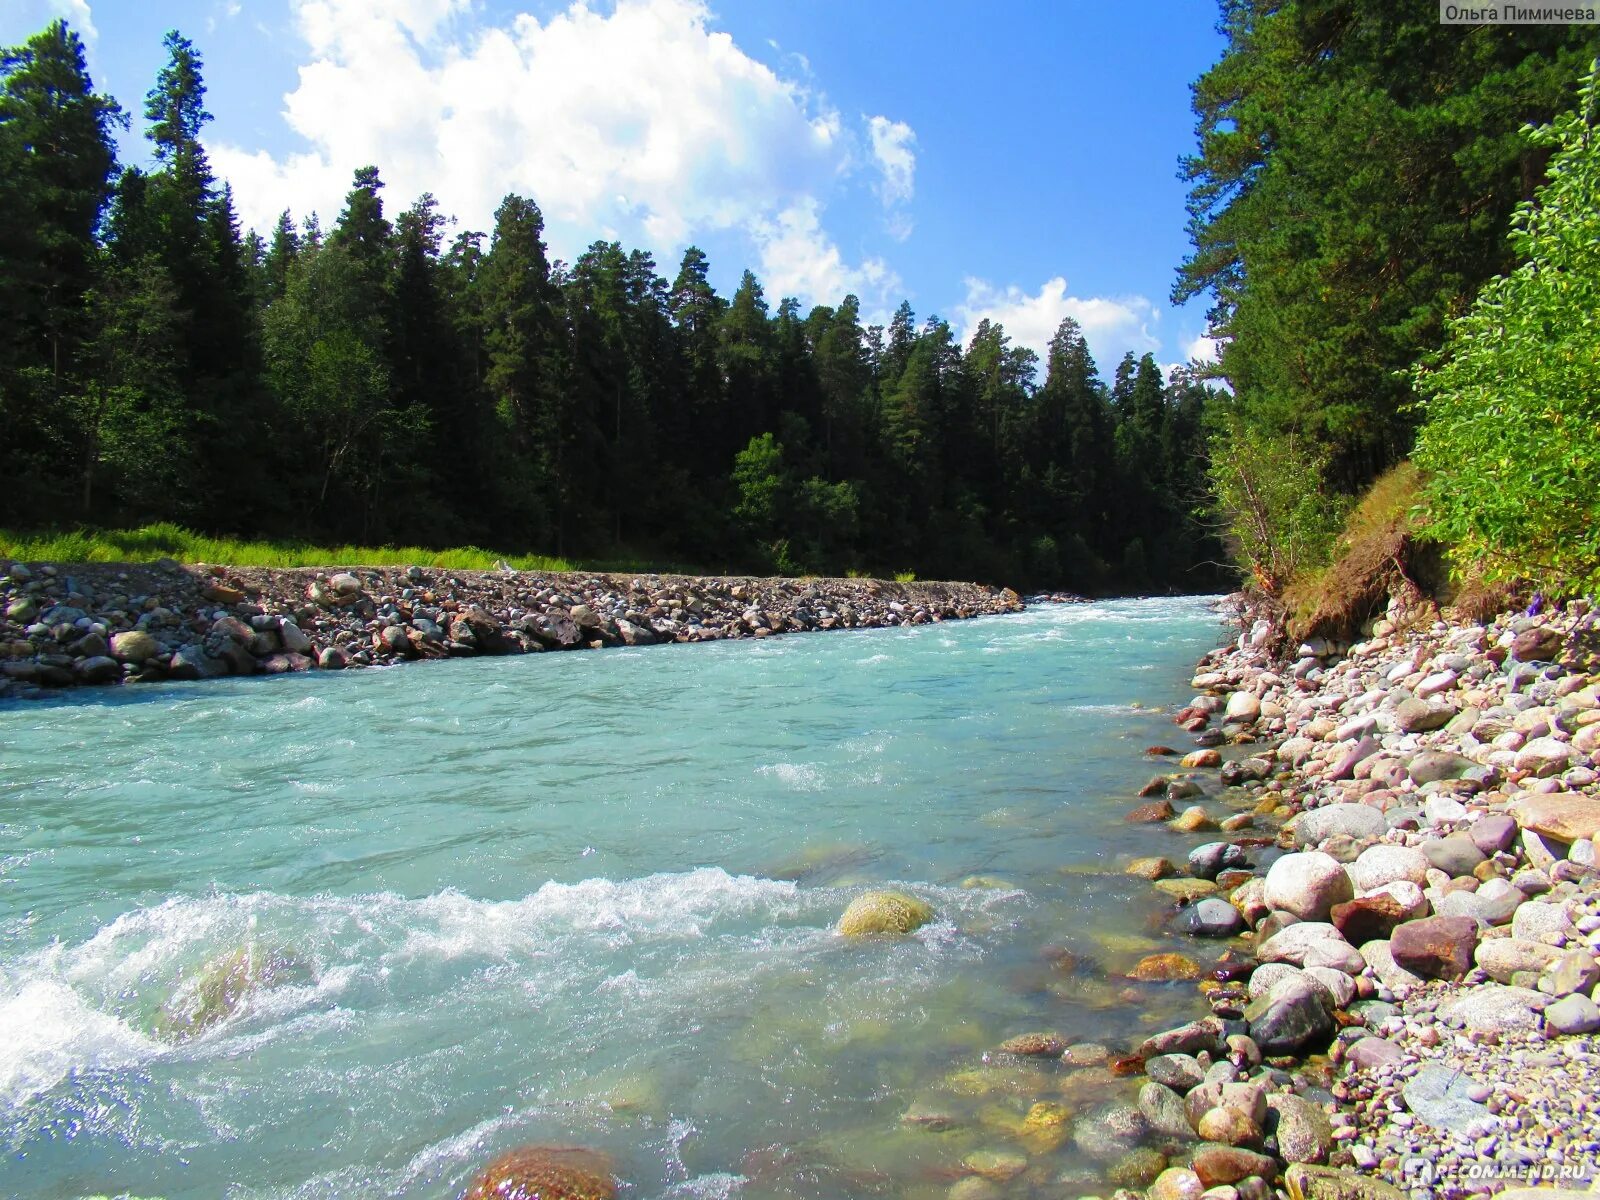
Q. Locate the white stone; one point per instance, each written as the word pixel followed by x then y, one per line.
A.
pixel 1384 864
pixel 1308 885
pixel 1243 707
pixel 1434 684
pixel 1537 922
pixel 1544 756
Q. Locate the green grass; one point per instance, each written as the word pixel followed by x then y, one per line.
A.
pixel 166 540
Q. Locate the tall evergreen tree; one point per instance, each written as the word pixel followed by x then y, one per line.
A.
pixel 56 161
pixel 525 373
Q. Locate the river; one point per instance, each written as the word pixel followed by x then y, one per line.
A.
pixel 583 899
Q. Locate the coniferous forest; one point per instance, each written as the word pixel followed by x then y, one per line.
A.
pixel 383 379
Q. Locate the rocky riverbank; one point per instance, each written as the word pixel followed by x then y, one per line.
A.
pixel 104 623
pixel 1407 1005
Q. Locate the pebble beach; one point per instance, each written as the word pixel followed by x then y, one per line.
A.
pixel 1419 943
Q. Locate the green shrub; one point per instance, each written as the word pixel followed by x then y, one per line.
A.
pixel 1512 405
pixel 1269 497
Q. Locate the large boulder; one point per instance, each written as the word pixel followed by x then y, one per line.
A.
pixel 1302 1128
pixel 134 646
pixel 222 987
pixel 1457 854
pixel 1243 707
pixel 1539 644
pixel 1209 917
pixel 1308 1182
pixel 1495 1009
pixel 1431 766
pixel 1293 1015
pixel 1309 884
pixel 1351 820
pixel 1565 816
pixel 1384 864
pixel 1544 756
pixel 1368 918
pixel 1422 716
pixel 545 1173
pixel 1501 958
pixel 884 912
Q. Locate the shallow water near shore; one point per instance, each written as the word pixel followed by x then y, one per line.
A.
pixel 583 899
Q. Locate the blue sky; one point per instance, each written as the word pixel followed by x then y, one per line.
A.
pixel 1014 160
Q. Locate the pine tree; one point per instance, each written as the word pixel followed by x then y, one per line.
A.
pixel 525 375
pixel 56 163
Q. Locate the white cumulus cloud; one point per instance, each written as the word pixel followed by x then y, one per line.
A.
pixel 1112 326
pixel 799 259
pixel 641 123
pixel 34 15
pixel 896 161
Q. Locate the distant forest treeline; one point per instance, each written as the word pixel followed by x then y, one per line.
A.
pixel 369 382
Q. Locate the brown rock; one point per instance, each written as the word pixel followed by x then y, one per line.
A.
pixel 1165 968
pixel 222 593
pixel 1150 868
pixel 1541 644
pixel 1306 1182
pixel 1228 1164
pixel 1035 1045
pixel 1229 1126
pixel 1565 816
pixel 1148 814
pixel 545 1173
pixel 1208 757
pixel 1193 819
pixel 1368 918
pixel 1176 1183
pixel 1435 947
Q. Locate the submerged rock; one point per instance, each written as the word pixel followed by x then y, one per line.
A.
pixel 1164 968
pixel 221 988
pixel 1035 1045
pixel 884 912
pixel 545 1173
pixel 1307 1182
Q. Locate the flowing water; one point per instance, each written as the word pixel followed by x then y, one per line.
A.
pixel 582 899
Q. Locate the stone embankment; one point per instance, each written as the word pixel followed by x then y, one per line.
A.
pixel 1408 1004
pixel 102 623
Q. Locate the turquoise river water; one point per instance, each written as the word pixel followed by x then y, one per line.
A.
pixel 583 899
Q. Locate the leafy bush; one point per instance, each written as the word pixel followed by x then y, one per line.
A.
pixel 1268 492
pixel 1512 405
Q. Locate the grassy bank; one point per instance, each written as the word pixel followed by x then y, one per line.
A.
pixel 166 540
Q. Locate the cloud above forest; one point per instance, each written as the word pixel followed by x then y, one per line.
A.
pixel 1113 326
pixel 641 123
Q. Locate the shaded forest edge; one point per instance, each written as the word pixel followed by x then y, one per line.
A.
pixel 369 383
